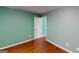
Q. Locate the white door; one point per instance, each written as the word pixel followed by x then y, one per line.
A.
pixel 38 27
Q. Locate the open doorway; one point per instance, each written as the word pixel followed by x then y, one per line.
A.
pixel 40 27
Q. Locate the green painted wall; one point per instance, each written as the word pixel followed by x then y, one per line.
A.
pixel 15 26
pixel 44 23
pixel 63 27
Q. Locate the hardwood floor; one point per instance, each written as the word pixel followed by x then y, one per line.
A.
pixel 39 45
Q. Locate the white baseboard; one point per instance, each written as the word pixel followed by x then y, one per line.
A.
pixel 39 37
pixel 59 46
pixel 33 39
pixel 15 44
pixel 18 43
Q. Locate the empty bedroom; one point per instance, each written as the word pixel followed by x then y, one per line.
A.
pixel 39 29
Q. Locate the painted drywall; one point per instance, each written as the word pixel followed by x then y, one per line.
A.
pixel 63 27
pixel 15 26
pixel 44 25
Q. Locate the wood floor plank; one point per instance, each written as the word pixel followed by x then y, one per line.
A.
pixel 40 45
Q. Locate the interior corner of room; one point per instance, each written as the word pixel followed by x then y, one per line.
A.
pixel 56 24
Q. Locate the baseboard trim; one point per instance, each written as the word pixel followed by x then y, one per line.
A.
pixel 18 43
pixel 59 46
pixel 15 44
pixel 34 39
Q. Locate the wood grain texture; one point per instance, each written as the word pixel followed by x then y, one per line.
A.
pixel 40 45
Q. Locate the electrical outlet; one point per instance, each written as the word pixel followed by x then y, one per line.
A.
pixel 67 44
pixel 77 49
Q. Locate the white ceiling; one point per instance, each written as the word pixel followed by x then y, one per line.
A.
pixel 36 9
